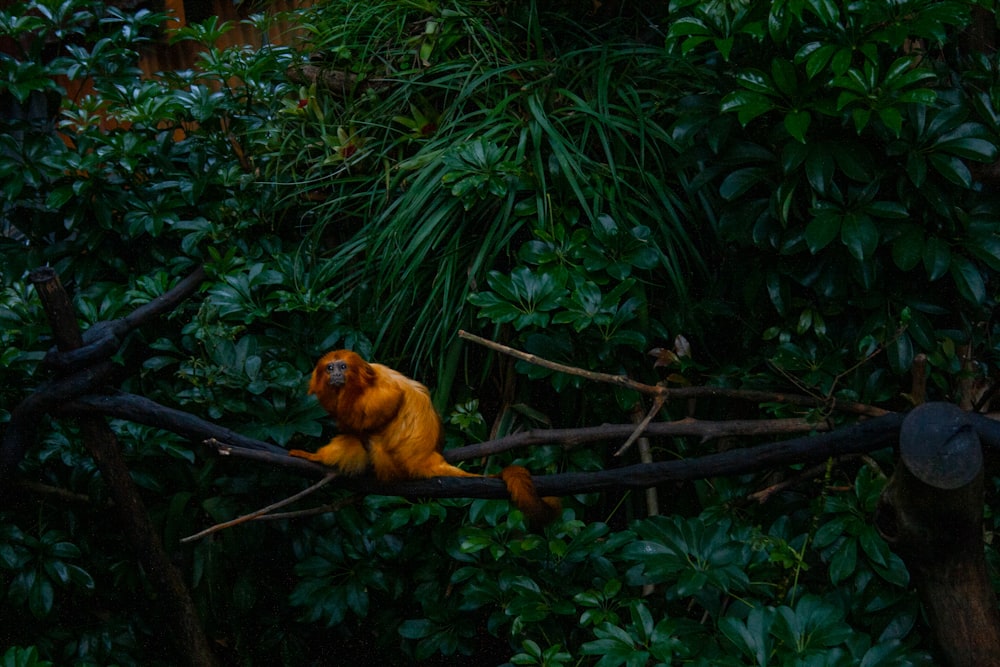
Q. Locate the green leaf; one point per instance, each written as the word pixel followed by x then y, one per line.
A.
pixel 916 168
pixel 874 546
pixel 895 572
pixel 59 196
pixel 844 561
pixel 688 25
pixel 902 72
pixel 952 168
pixel 753 636
pixel 17 656
pixel 888 209
pixel 859 233
pixel 816 58
pixel 829 532
pixel 861 119
pixel 936 256
pixel 908 248
pixel 986 249
pixel 740 181
pixel 821 230
pixel 969 148
pixel 416 628
pixel 892 118
pixel 921 96
pixel 854 159
pixel 841 61
pixel 41 596
pixel 819 170
pixel 783 74
pixel 746 105
pixel 968 279
pixel 725 46
pixel 797 124
pixel 899 353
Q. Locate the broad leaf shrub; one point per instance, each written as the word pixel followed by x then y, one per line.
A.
pixel 123 187
pixel 841 165
pixel 790 185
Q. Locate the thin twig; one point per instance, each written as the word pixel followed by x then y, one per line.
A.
pixel 641 427
pixel 763 495
pixel 621 380
pixel 261 512
pixel 312 511
pixel 678 393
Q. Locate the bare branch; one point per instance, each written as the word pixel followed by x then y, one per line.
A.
pixel 763 495
pixel 607 378
pixel 868 436
pixel 689 427
pixel 142 410
pixel 329 477
pixel 312 511
pixel 641 427
pixel 679 393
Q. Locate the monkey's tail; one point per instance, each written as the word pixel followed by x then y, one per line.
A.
pixel 538 511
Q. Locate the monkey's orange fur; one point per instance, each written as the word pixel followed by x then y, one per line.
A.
pixel 387 421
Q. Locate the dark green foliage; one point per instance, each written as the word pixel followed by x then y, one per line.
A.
pixel 850 175
pixel 23 657
pixel 799 188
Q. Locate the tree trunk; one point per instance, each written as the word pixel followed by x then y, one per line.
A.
pixel 179 613
pixel 931 513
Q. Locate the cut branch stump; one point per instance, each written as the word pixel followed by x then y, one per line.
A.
pixel 931 514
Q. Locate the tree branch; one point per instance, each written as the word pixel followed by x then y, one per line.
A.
pixel 866 437
pixel 178 610
pixel 103 339
pixel 142 410
pixel 683 393
pixel 688 427
pixel 329 477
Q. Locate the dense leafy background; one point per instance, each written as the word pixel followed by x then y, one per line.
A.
pixel 796 187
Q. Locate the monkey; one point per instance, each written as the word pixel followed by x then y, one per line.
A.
pixel 386 421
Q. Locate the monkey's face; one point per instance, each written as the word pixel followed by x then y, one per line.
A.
pixel 336 373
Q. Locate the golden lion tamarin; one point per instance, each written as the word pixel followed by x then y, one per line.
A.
pixel 387 421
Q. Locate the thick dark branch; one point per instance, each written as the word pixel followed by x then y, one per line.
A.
pixel 104 338
pixel 866 437
pixel 145 411
pixel 987 428
pixel 167 301
pixel 75 351
pixel 706 430
pixel 22 428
